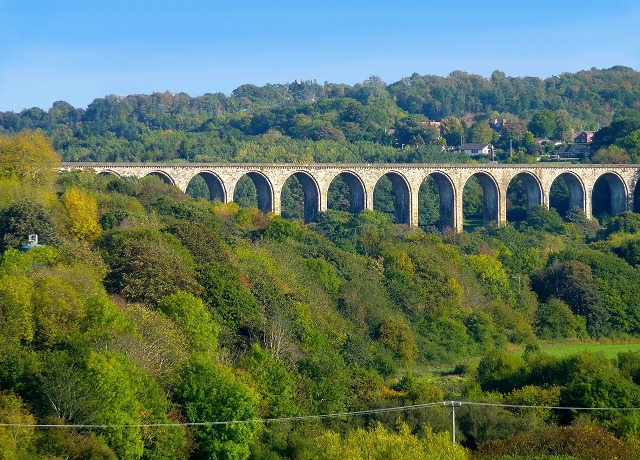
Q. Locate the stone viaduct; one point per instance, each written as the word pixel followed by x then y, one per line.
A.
pixel 619 182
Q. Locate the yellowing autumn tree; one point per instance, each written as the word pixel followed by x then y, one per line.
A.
pixel 378 443
pixel 83 212
pixel 28 156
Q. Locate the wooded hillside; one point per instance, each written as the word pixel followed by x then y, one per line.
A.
pixel 146 312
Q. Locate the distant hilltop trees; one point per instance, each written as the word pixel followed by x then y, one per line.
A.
pixel 419 118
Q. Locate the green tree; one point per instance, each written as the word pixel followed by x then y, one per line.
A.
pixel 591 380
pixel 482 133
pixel 105 388
pixel 147 265
pixel 229 300
pixel 210 393
pixel 396 334
pixel 611 155
pixel 573 282
pixel 153 342
pixel 59 309
pixel 629 364
pixel 415 130
pixel 555 320
pixel 16 311
pixel 325 377
pixel 191 314
pixel 276 382
pixel 18 437
pixel 624 123
pixel 452 130
pixel 501 371
pixel 627 222
pixel 563 126
pixel 543 124
pixel 492 275
pixel 547 220
pixel 25 217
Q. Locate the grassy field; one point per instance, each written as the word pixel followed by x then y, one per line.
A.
pixel 608 349
pixel 471 223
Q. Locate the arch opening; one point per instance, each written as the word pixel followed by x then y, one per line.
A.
pixel 206 185
pixel 523 192
pixel 109 173
pixel 479 201
pixel 346 193
pixel 436 202
pixel 300 198
pixel 253 189
pixel 566 193
pixel 391 196
pixel 608 197
pixel 164 177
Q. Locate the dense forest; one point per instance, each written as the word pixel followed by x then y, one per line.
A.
pixel 368 122
pixel 145 319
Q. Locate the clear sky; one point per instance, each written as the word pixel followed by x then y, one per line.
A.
pixel 78 51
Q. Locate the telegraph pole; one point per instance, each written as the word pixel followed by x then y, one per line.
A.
pixel 453 405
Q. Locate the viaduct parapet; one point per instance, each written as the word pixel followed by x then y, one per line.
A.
pixel 621 182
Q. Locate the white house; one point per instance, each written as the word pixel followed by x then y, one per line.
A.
pixel 475 149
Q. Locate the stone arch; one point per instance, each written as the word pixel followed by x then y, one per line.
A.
pixel 108 172
pixel 490 196
pixel 356 190
pixel 214 184
pixel 311 192
pixel 447 193
pixel 609 195
pixel 531 187
pixel 166 178
pixel 264 190
pixel 401 196
pixel 576 191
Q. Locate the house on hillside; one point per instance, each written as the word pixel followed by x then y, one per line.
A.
pixel 472 149
pixel 500 125
pixel 584 137
pixel 435 124
pixel 577 150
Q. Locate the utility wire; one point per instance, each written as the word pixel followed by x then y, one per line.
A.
pixel 318 416
pixel 522 406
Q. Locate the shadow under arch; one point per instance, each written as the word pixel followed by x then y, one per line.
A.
pixel 575 193
pixel 530 186
pixel 489 196
pixel 214 185
pixel 609 195
pixel 355 188
pixel 108 172
pixel 311 194
pixel 166 178
pixel 636 198
pixel 446 193
pixel 401 196
pixel 264 190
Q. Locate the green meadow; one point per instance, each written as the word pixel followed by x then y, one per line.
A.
pixel 608 349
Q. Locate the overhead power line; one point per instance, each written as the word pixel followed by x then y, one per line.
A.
pixel 319 416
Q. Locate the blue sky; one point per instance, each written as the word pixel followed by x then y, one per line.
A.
pixel 77 51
